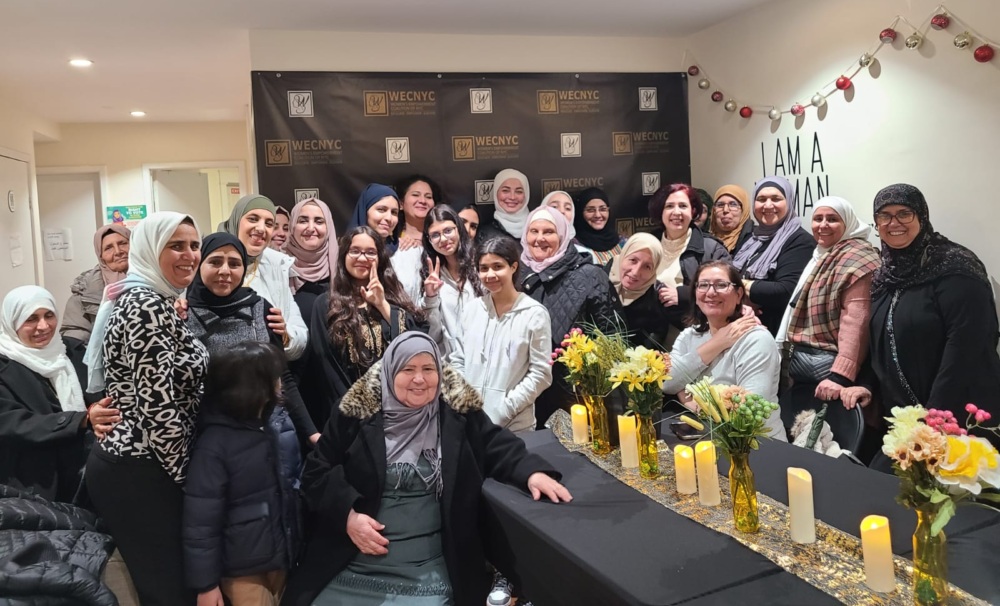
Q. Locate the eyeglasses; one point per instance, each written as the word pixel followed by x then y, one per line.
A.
pixel 731 205
pixel 355 253
pixel 719 287
pixel 447 232
pixel 904 217
pixel 596 210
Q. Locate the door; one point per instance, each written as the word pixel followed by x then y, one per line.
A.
pixel 184 191
pixel 17 254
pixel 69 211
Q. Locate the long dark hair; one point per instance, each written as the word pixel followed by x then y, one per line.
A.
pixel 508 250
pixel 698 319
pixel 242 380
pixel 343 318
pixel 467 266
pixel 403 185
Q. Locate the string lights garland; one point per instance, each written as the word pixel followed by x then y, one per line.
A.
pixel 940 19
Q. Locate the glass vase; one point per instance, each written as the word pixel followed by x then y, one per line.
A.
pixel 930 563
pixel 649 455
pixel 743 492
pixel 600 433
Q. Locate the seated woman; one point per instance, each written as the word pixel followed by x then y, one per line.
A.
pixel 111 245
pixel 633 276
pixel 353 324
pixel 824 334
pixel 594 227
pixel 731 222
pixel 511 194
pixel 378 208
pixel 573 290
pixel 506 354
pixel 562 202
pixel 44 420
pixel 221 314
pixel 772 260
pixel 313 245
pixel 724 344
pixel 395 484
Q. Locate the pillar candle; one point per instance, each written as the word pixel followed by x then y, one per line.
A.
pixel 628 438
pixel 801 519
pixel 579 413
pixel 876 543
pixel 708 474
pixel 684 466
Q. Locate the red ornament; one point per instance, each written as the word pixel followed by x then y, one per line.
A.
pixel 717 96
pixel 693 70
pixel 983 54
pixel 798 110
pixel 940 21
pixel 746 112
pixel 843 83
pixel 887 35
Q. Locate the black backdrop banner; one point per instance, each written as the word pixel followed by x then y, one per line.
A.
pixel 328 134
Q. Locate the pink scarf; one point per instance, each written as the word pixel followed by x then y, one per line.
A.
pixel 550 215
pixel 312 265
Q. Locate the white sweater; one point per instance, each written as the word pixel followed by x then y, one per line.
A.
pixel 272 283
pixel 506 358
pixel 753 363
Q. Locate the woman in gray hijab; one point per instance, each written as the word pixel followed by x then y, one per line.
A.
pixel 395 483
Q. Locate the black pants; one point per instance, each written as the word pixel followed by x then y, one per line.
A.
pixel 142 507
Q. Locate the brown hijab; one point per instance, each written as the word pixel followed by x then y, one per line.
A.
pixel 110 276
pixel 730 237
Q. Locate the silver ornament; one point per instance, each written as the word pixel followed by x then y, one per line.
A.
pixel 730 106
pixel 774 114
pixel 963 40
pixel 704 83
pixel 913 41
pixel 818 100
pixel 865 60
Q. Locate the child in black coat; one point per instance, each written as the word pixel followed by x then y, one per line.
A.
pixel 241 519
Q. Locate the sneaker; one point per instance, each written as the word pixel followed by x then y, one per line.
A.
pixel 502 591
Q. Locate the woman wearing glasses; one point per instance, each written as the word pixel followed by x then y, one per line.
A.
pixel 724 344
pixel 594 227
pixel 933 322
pixel 731 222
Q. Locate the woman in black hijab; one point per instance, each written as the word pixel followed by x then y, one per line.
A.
pixel 594 227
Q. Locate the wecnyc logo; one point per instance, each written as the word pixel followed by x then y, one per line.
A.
pixel 400 103
pixel 305 194
pixel 640 142
pixel 481 100
pixel 484 192
pixel 463 148
pixel 300 104
pixel 621 143
pixel 650 183
pixel 485 147
pixel 648 99
pixel 277 153
pixel 397 150
pixel 569 101
pixel 571 145
pixel 570 184
pixel 625 227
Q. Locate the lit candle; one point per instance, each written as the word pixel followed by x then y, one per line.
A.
pixel 628 438
pixel 684 465
pixel 708 474
pixel 801 519
pixel 880 575
pixel 580 435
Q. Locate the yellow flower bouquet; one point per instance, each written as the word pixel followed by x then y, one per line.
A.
pixel 643 371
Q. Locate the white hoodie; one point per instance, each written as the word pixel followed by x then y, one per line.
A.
pixel 272 283
pixel 506 359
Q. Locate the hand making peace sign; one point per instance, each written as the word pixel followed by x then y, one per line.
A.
pixel 433 283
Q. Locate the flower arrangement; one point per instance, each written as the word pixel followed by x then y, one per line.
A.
pixel 644 371
pixel 735 419
pixel 588 356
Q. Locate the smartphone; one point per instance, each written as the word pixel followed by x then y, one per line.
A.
pixel 684 431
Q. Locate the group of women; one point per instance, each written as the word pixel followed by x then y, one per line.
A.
pixel 422 338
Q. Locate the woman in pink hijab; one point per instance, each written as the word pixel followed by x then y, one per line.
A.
pixel 312 242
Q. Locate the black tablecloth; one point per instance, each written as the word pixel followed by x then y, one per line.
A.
pixel 613 545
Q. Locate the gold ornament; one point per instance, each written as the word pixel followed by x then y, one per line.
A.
pixel 963 40
pixel 865 60
pixel 730 106
pixel 704 83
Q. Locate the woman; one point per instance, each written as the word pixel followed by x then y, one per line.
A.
pixel 594 228
pixel 772 260
pixel 731 222
pixel 353 324
pixel 707 203
pixel 222 313
pixel 685 248
pixel 824 333
pixel 724 344
pixel 417 196
pixel 506 359
pixel 44 420
pixel 573 290
pixel 510 200
pixel 282 227
pixel 396 482
pixel 378 208
pixel 153 368
pixel 313 245
pixel 933 321
pixel 111 246
pixel 269 272
pixel 633 276
pixel 470 218
pixel 562 202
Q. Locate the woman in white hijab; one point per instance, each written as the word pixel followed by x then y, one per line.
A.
pixel 511 194
pixel 44 420
pixel 153 367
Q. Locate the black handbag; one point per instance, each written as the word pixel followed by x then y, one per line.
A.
pixel 808 364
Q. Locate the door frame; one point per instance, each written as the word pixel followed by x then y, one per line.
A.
pixel 35 221
pixel 102 177
pixel 147 175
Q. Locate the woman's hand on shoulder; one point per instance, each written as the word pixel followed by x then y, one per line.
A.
pixel 542 484
pixel 181 307
pixel 732 333
pixel 406 243
pixel 668 295
pixel 365 533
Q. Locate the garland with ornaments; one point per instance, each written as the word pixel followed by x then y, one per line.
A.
pixel 939 19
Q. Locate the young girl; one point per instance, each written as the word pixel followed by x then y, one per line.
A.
pixel 241 524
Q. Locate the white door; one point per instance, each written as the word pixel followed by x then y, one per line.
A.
pixel 184 191
pixel 69 210
pixel 17 254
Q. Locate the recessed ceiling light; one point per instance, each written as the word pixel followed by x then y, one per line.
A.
pixel 138 114
pixel 81 62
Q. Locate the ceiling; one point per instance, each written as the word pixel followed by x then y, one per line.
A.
pixel 188 60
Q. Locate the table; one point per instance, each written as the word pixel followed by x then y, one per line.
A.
pixel 613 545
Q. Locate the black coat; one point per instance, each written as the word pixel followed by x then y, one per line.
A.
pixel 305 297
pixel 648 320
pixel 772 294
pixel 701 248
pixel 347 471
pixel 42 447
pixel 240 507
pixel 493 229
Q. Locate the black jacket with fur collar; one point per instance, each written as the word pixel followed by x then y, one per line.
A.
pixel 347 471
